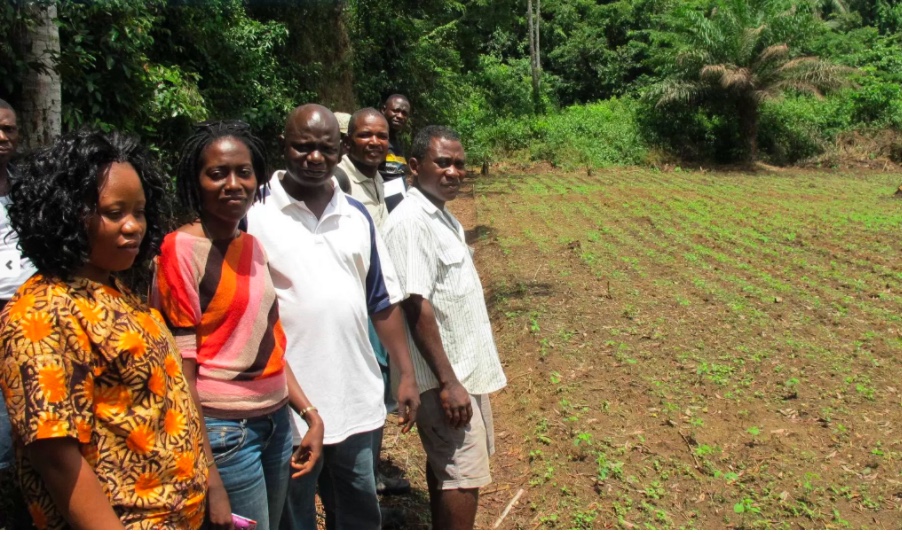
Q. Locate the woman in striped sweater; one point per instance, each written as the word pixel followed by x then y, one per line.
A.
pixel 214 288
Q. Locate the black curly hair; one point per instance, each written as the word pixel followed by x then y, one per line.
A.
pixel 191 161
pixel 56 190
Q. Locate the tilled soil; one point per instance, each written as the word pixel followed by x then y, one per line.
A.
pixel 688 350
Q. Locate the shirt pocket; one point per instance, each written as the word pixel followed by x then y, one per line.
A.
pixel 456 280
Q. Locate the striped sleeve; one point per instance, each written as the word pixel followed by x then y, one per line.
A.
pixel 412 251
pixel 177 297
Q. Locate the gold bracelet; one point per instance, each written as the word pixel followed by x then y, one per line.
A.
pixel 210 463
pixel 304 412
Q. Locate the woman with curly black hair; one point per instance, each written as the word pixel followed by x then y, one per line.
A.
pixel 106 432
pixel 214 287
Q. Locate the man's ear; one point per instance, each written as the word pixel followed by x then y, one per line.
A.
pixel 414 167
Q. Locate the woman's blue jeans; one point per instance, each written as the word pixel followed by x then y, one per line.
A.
pixel 252 456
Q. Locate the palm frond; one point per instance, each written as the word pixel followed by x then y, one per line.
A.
pixel 676 91
pixel 773 52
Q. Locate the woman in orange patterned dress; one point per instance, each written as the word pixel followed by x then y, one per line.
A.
pixel 105 430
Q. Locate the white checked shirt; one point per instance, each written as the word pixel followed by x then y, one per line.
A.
pixel 432 259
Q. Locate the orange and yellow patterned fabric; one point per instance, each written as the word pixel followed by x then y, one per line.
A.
pixel 86 361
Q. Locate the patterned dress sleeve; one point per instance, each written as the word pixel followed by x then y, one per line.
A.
pixel 177 295
pixel 47 372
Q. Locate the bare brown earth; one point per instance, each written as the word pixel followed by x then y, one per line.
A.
pixel 689 350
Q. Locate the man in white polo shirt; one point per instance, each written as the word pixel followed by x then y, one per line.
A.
pixel 454 354
pixel 331 272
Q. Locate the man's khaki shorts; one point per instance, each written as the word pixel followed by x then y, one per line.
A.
pixel 459 457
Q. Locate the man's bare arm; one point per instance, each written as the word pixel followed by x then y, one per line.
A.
pixel 424 329
pixel 389 326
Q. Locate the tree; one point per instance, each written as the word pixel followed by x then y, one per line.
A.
pixel 740 53
pixel 535 61
pixel 40 109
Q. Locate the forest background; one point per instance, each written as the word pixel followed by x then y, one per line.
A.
pixel 619 82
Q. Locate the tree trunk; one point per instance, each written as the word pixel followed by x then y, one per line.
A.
pixel 533 24
pixel 40 110
pixel 538 20
pixel 747 109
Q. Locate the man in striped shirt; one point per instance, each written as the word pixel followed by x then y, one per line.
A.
pixel 454 356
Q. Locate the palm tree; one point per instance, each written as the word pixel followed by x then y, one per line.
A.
pixel 740 52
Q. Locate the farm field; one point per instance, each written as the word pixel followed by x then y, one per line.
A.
pixel 689 350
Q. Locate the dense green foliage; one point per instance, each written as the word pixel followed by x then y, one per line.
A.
pixel 157 66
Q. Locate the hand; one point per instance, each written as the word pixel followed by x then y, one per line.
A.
pixel 219 511
pixel 311 448
pixel 408 403
pixel 456 403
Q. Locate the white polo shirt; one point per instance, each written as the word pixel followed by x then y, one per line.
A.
pixel 330 274
pixel 432 259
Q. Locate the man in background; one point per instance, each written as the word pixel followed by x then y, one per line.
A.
pixel 340 175
pixel 14 271
pixel 365 147
pixel 396 110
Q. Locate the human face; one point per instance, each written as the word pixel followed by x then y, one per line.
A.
pixel 9 135
pixel 396 113
pixel 369 144
pixel 118 225
pixel 311 146
pixel 439 174
pixel 227 184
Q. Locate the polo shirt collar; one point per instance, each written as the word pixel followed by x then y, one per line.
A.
pixel 282 199
pixel 354 173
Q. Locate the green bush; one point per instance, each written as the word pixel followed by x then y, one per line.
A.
pixel 587 136
pixel 594 135
pixel 800 127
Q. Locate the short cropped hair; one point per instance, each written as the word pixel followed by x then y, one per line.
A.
pixel 365 112
pixel 56 191
pixel 394 97
pixel 187 179
pixel 5 105
pixel 421 140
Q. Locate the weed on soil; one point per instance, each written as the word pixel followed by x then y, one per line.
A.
pixel 689 350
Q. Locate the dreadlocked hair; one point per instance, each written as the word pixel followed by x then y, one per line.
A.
pixel 191 162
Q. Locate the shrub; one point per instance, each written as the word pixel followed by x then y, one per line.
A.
pixel 588 136
pixel 801 127
pixel 592 135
